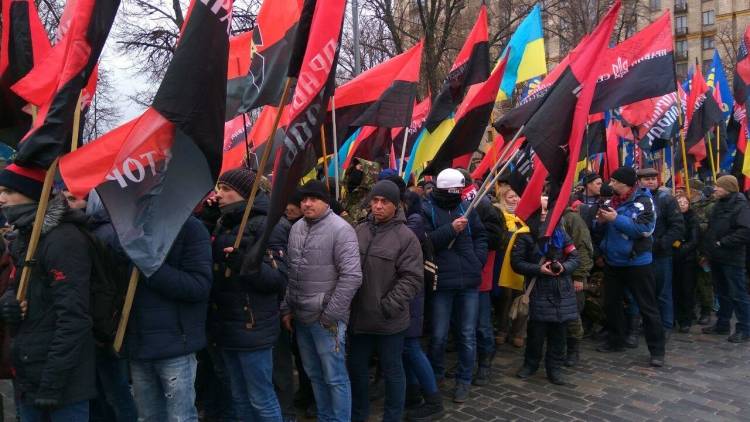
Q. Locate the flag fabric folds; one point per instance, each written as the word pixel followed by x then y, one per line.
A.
pixel 527 58
pixel 702 114
pixel 152 171
pixel 717 80
pixel 742 70
pixel 55 83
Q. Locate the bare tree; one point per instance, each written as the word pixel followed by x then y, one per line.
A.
pixel 103 113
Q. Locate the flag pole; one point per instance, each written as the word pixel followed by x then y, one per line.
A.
pixel 325 155
pixel 126 307
pixel 335 146
pixel 682 142
pixel 76 124
pixel 671 168
pixel 718 149
pixel 403 152
pixel 711 155
pixel 261 168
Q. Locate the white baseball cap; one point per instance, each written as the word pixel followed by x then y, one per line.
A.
pixel 450 179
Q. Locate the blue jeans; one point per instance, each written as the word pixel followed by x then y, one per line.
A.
pixel 165 389
pixel 114 389
pixel 663 276
pixel 731 288
pixel 465 302
pixel 485 332
pixel 389 349
pixel 417 367
pixel 323 353
pixel 251 379
pixel 73 412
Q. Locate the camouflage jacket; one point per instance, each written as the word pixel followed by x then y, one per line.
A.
pixel 355 202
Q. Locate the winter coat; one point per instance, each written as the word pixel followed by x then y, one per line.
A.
pixel 493 223
pixel 729 224
pixel 553 299
pixel 670 226
pixel 460 266
pixel 53 349
pixel 169 311
pixel 416 306
pixel 627 239
pixel 687 252
pixel 588 210
pixel 576 228
pixel 324 269
pixel 244 311
pixel 392 275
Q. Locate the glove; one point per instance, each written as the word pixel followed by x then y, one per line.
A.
pixel 10 310
pixel 47 400
pixel 234 260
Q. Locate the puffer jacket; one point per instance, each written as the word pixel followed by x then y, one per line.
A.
pixel 729 224
pixel 460 265
pixel 687 252
pixel 53 349
pixel 392 275
pixel 244 311
pixel 670 226
pixel 627 239
pixel 415 223
pixel 553 299
pixel 324 269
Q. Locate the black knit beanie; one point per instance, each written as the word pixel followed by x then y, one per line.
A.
pixel 315 189
pixel 625 175
pixel 387 190
pixel 240 179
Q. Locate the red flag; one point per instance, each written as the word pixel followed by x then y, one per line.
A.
pixel 702 114
pixel 613 153
pixel 235 151
pixel 742 71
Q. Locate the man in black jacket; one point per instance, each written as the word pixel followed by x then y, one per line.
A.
pixel 53 350
pixel 726 239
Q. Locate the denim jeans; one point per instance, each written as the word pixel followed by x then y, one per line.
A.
pixel 115 401
pixel 323 354
pixel 663 276
pixel 389 349
pixel 73 412
pixel 731 288
pixel 417 367
pixel 165 389
pixel 485 332
pixel 251 379
pixel 465 302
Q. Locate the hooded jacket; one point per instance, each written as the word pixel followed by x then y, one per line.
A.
pixel 627 239
pixel 729 224
pixel 392 275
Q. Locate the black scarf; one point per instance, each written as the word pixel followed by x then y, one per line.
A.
pixel 354 179
pixel 445 199
pixel 21 215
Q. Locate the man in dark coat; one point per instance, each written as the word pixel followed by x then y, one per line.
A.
pixel 726 240
pixel 245 318
pixel 53 349
pixel 392 275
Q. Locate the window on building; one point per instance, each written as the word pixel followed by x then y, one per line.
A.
pixel 708 17
pixel 655 4
pixel 707 66
pixel 707 43
pixel 681 69
pixel 680 22
pixel 681 46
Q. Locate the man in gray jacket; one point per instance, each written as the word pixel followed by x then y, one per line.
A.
pixel 324 275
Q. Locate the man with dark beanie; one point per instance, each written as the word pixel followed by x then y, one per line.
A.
pixel 392 275
pixel 324 275
pixel 726 242
pixel 629 220
pixel 53 349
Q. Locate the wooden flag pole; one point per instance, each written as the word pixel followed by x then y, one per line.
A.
pixel 126 307
pixel 261 168
pixel 671 169
pixel 36 231
pixel 712 162
pixel 718 149
pixel 76 124
pixel 401 167
pixel 682 145
pixel 334 135
pixel 325 155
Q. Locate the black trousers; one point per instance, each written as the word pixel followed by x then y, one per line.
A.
pixel 685 276
pixel 641 283
pixel 283 373
pixel 554 333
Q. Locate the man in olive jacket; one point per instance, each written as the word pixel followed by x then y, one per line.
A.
pixel 392 275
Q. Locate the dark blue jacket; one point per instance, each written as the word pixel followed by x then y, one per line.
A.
pixel 169 313
pixel 244 313
pixel 460 266
pixel 628 239
pixel 416 306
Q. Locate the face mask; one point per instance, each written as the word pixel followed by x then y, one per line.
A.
pixel 20 215
pixel 354 179
pixel 445 199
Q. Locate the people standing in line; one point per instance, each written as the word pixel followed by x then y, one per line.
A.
pixel 686 268
pixel 392 275
pixel 630 220
pixel 324 276
pixel 460 245
pixel 726 244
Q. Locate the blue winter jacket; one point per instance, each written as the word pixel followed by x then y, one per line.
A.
pixel 459 266
pixel 169 312
pixel 628 239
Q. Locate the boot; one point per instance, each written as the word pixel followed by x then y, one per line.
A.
pixel 482 376
pixel 555 376
pixel 572 357
pixel 431 409
pixel 413 397
pixel 631 340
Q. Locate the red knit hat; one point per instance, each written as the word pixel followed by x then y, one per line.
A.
pixel 24 180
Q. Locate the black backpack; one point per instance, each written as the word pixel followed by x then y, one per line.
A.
pixel 108 286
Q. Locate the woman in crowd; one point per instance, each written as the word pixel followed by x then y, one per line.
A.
pixel 686 269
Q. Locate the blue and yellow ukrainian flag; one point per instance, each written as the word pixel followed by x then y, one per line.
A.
pixel 527 59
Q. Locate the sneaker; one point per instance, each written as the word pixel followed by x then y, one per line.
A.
pixel 704 320
pixel 657 361
pixel 608 348
pixel 431 410
pixel 715 329
pixel 525 372
pixel 461 393
pixel 556 377
pixel 739 337
pixel 482 377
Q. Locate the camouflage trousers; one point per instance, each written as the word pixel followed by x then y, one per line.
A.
pixel 575 328
pixel 704 291
pixel 593 308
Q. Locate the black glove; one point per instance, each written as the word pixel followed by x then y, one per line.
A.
pixel 47 400
pixel 10 310
pixel 234 260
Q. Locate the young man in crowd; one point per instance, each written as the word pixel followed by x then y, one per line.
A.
pixel 324 275
pixel 392 275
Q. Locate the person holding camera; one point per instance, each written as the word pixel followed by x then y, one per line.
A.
pixel 547 263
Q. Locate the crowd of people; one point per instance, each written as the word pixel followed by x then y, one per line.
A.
pixel 363 298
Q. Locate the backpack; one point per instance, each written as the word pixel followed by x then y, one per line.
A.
pixel 108 286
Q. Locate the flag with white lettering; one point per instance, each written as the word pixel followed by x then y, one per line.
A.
pixel 152 171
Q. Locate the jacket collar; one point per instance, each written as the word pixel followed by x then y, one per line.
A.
pixel 312 221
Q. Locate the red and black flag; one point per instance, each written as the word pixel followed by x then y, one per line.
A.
pixel 656 119
pixel 23 43
pixel 742 71
pixel 270 53
pixel 702 115
pixel 418 116
pixel 557 142
pixel 471 120
pixel 472 65
pixel 153 170
pixel 55 83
